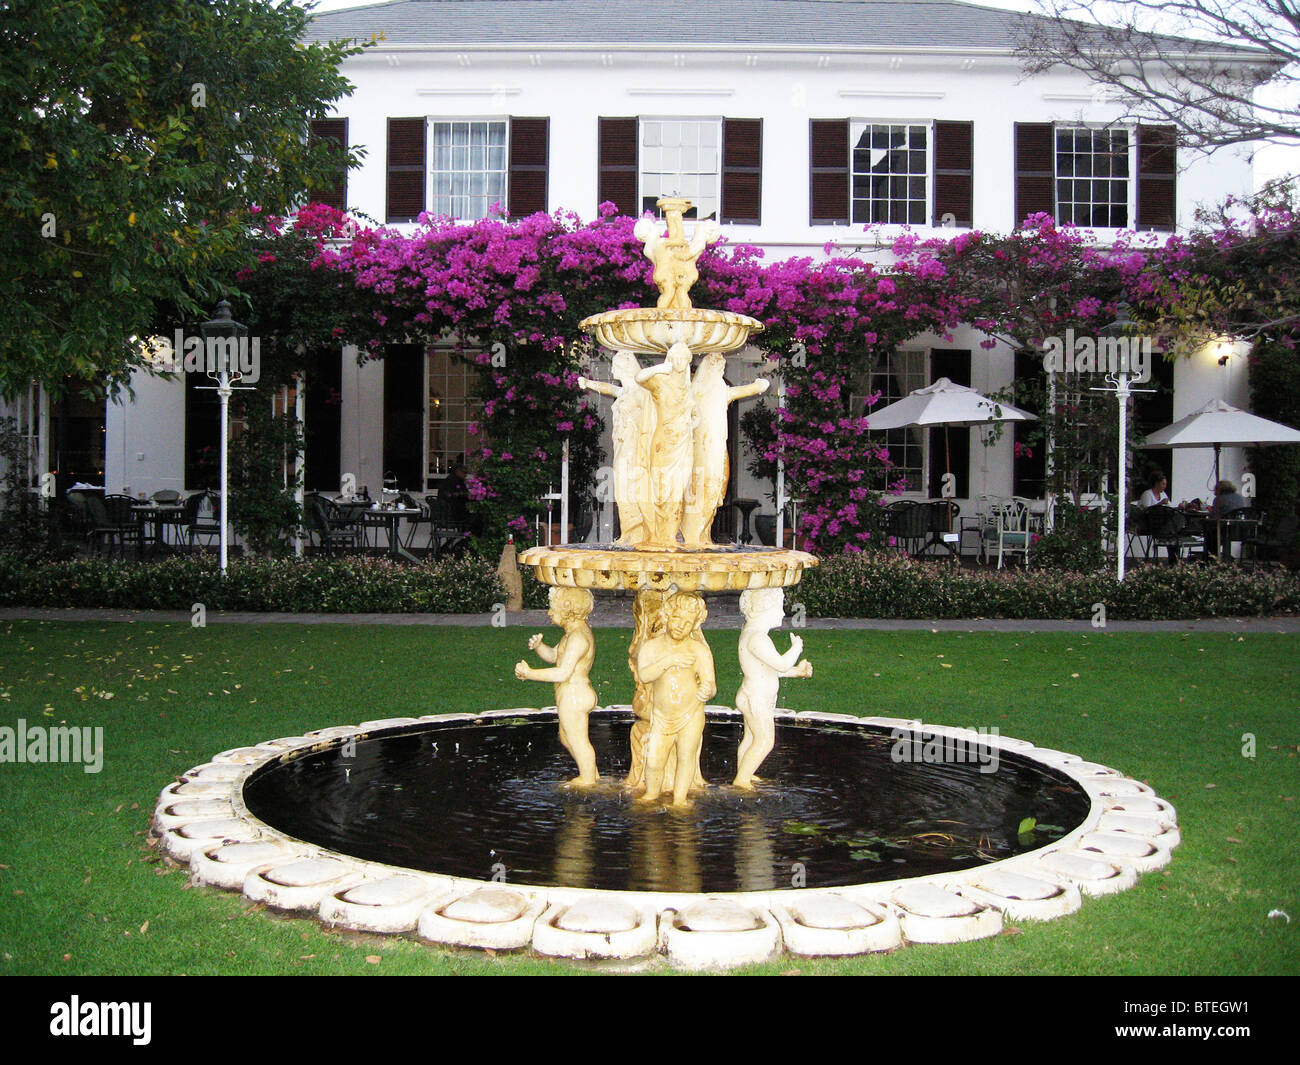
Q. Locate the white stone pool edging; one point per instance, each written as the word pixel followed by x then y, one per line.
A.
pixel 202 821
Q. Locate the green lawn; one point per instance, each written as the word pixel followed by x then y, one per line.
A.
pixel 84 893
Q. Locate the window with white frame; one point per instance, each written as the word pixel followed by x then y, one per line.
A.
pixel 452 408
pixel 1092 177
pixel 890 170
pixel 899 373
pixel 469 163
pixel 681 157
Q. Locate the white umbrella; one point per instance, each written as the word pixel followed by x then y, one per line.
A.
pixel 1219 425
pixel 944 403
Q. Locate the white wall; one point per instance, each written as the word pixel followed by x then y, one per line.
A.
pixel 144 445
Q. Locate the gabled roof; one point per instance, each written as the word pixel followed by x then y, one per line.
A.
pixel 796 24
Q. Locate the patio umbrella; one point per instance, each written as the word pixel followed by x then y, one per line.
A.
pixel 944 403
pixel 1219 425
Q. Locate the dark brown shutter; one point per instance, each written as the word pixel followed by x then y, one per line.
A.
pixel 336 131
pixel 618 164
pixel 742 171
pixel 828 172
pixel 953 169
pixel 529 155
pixel 1035 170
pixel 1157 189
pixel 406 173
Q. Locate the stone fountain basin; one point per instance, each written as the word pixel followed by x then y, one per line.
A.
pixel 609 567
pixel 652 331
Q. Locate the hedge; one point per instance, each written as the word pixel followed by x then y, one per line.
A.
pixel 327 586
pixel 868 585
pixel 884 585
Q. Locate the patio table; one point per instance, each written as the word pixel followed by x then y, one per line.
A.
pixel 387 518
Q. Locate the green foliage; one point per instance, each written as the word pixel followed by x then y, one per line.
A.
pixel 330 586
pixel 886 585
pixel 1275 394
pixel 1075 543
pixel 262 505
pixel 137 141
pixel 26 525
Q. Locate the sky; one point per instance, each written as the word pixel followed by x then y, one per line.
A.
pixel 1271 161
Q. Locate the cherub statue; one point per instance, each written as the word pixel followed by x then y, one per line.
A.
pixel 633 416
pixel 669 384
pixel 763 669
pixel 673 254
pixel 711 395
pixel 648 623
pixel 571 661
pixel 679 669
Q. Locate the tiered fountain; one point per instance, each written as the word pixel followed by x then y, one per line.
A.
pixel 468 829
pixel 670 476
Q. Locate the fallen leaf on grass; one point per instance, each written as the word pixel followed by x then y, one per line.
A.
pixel 1231 839
pixel 144 928
pixel 373 959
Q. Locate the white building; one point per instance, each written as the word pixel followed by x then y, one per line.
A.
pixel 796 121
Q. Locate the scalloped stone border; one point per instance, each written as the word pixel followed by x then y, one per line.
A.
pixel 202 821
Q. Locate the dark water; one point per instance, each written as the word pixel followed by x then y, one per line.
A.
pixel 470 799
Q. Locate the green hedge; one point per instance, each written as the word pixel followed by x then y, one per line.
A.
pixel 868 585
pixel 891 586
pixel 330 586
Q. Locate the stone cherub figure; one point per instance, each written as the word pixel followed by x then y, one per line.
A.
pixel 674 254
pixel 671 455
pixel 763 669
pixel 633 418
pixel 711 395
pixel 570 661
pixel 678 667
pixel 648 623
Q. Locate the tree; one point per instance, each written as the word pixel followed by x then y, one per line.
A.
pixel 1203 81
pixel 137 140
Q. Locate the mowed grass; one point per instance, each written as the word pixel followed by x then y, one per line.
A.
pixel 82 892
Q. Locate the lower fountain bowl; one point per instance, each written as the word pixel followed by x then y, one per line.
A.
pixel 609 567
pixel 455 827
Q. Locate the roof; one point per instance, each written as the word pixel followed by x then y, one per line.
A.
pixel 796 24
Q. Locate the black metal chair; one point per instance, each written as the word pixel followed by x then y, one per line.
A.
pixel 1167 528
pixel 330 531
pixel 448 528
pixel 112 525
pixel 196 524
pixel 907 522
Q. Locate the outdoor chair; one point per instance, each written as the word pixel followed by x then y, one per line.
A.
pixel 1009 533
pixel 198 524
pixel 329 530
pixel 1167 528
pixel 448 530
pixel 112 525
pixel 907 522
pixel 1138 531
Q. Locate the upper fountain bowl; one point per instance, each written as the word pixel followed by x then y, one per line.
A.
pixel 653 330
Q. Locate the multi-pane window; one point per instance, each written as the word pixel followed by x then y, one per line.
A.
pixel 890 171
pixel 681 157
pixel 899 373
pixel 452 408
pixel 1092 177
pixel 468 168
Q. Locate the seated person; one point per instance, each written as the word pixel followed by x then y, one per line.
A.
pixel 1156 494
pixel 1227 499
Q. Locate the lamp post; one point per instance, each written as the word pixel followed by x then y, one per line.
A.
pixel 1121 329
pixel 222 337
